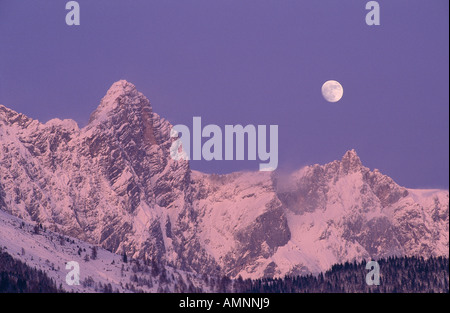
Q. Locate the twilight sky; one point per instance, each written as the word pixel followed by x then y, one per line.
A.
pixel 249 62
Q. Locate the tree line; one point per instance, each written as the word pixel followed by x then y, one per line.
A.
pixel 18 277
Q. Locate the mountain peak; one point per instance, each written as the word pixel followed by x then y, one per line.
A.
pixel 10 117
pixel 350 154
pixel 121 87
pixel 121 93
pixel 351 161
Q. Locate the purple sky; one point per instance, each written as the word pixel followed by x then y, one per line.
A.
pixel 249 62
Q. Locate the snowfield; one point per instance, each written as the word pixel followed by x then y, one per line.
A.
pixel 50 252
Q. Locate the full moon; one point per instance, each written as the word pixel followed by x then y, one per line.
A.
pixel 332 91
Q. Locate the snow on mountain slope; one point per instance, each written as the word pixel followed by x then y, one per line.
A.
pixel 50 252
pixel 114 184
pixel 240 217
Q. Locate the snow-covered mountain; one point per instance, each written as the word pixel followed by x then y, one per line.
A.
pixel 114 184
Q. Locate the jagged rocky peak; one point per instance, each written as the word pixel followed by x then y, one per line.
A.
pixel 126 112
pixel 122 96
pixel 120 88
pixel 351 162
pixel 351 155
pixel 10 117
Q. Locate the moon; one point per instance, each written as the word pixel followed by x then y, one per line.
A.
pixel 332 91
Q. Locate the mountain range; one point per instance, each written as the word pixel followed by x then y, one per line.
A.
pixel 113 184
